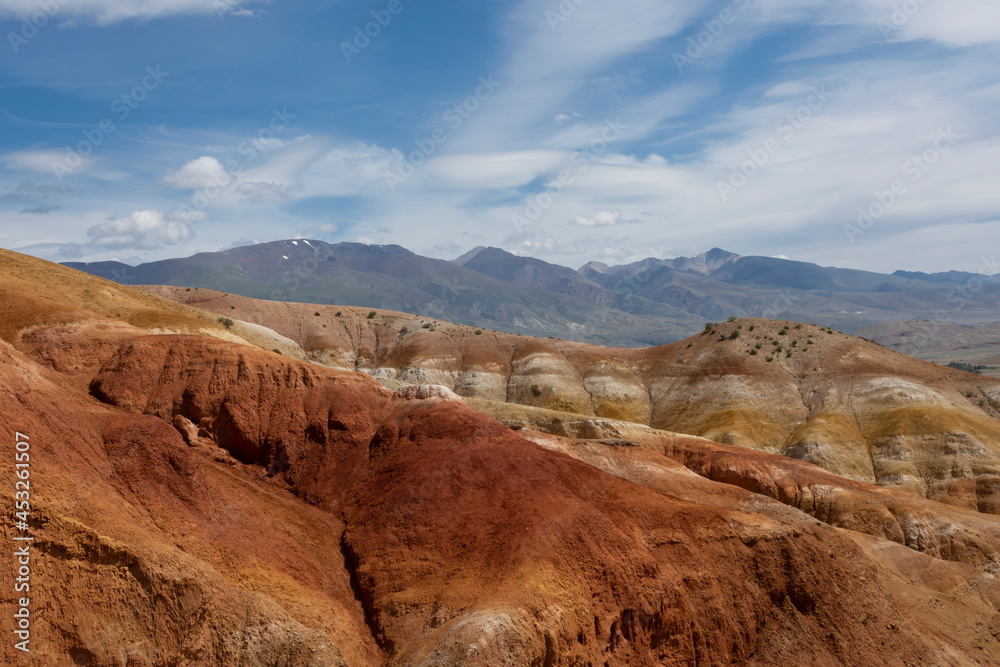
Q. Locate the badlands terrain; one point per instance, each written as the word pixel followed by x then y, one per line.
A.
pixel 795 389
pixel 224 481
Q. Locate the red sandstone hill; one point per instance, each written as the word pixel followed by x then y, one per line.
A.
pixel 200 501
pixel 796 389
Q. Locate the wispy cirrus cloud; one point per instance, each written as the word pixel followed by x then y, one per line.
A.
pixel 106 12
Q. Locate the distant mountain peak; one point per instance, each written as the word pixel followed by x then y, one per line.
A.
pixel 597 267
pixel 717 257
pixel 469 256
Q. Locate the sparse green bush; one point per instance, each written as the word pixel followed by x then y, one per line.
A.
pixel 788 354
pixel 722 338
pixel 768 358
pixel 795 343
pixel 404 330
pixel 276 351
pixel 690 344
pixel 798 326
pixel 372 314
pixel 734 335
pixel 809 342
pixel 783 332
pixel 316 313
pixel 752 327
pixel 753 353
pixel 479 332
pixel 968 368
pixel 709 326
pixel 731 318
pixel 226 322
pixel 759 345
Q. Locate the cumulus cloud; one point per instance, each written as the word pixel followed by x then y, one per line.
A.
pixel 146 230
pixel 197 174
pixel 602 219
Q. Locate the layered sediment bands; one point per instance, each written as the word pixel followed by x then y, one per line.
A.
pixel 639 454
pixel 848 405
pixel 458 530
pixel 545 380
pixel 197 501
pixel 461 542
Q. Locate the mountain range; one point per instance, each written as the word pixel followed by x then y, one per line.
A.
pixel 650 302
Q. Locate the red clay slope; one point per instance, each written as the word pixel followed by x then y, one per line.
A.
pixel 202 502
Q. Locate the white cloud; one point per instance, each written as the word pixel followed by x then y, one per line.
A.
pixel 956 23
pixel 496 170
pixel 318 166
pixel 561 118
pixel 146 230
pixel 680 141
pixel 602 219
pixel 551 63
pixel 201 173
pixel 106 12
pixel 260 193
pixel 46 161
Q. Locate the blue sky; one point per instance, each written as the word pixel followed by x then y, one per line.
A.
pixel 860 133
